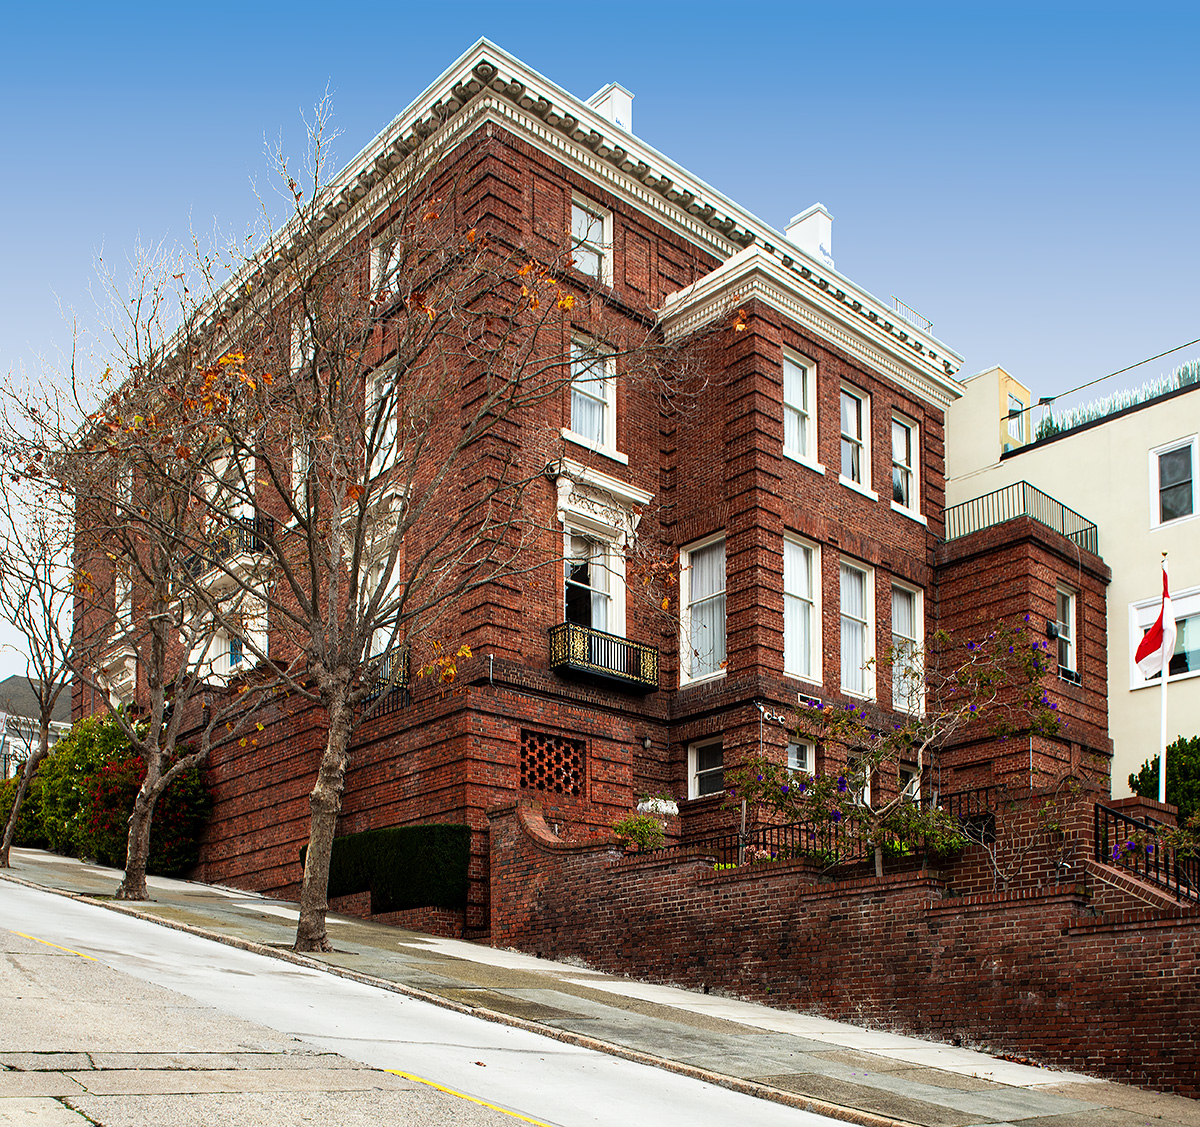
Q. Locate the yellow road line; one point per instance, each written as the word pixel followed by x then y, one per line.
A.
pixel 54 945
pixel 464 1096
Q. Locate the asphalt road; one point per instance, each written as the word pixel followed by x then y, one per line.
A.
pixel 531 1077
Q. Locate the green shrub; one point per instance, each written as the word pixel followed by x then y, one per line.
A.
pixel 88 746
pixel 403 866
pixel 1183 777
pixel 89 783
pixel 29 833
pixel 641 830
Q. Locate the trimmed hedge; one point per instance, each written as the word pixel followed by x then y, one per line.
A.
pixel 403 866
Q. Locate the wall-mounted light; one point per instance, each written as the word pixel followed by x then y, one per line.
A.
pixel 647 743
pixel 1051 629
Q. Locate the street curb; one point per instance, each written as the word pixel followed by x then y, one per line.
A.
pixel 733 1083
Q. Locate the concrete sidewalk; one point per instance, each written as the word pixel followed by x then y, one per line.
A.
pixel 860 1075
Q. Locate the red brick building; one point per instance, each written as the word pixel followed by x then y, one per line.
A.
pixel 803 491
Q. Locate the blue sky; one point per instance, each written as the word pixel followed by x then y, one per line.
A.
pixel 1024 174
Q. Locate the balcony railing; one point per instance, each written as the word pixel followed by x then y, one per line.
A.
pixel 605 657
pixel 1021 500
pixel 389 672
pixel 241 535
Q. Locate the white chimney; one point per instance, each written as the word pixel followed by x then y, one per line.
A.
pixel 812 231
pixel 615 103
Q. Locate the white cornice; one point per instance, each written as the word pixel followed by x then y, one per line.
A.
pixel 808 297
pixel 486 83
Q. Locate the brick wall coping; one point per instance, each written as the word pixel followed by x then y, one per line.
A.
pixel 1134 919
pixel 533 825
pixel 989 901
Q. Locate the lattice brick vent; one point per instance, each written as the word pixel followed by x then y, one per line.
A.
pixel 551 763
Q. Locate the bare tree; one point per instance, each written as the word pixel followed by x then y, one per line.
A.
pixel 36 533
pixel 393 386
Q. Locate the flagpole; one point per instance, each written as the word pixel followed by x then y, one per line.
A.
pixel 1162 733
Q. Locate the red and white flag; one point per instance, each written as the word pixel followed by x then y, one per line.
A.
pixel 1154 653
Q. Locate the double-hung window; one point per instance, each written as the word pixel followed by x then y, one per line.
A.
pixel 799 418
pixel 587 595
pixel 1016 420
pixel 386 254
pixel 857 593
pixel 706 768
pixel 801 757
pixel 1173 482
pixel 856 440
pixel 382 431
pixel 591 240
pixel 702 630
pixel 907 631
pixel 593 395
pixel 1185 661
pixel 801 616
pixel 906 452
pixel 122 597
pixel 1065 609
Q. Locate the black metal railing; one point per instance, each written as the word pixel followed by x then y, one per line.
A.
pixel 1134 845
pixel 593 653
pixel 240 535
pixel 1020 500
pixel 826 843
pixel 389 674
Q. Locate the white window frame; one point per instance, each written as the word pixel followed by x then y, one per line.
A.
pixel 1068 631
pixel 384 243
pixel 582 347
pixel 300 344
pixel 1016 419
pixel 609 540
pixel 122 597
pixel 603 250
pixel 862 441
pixel 867 691
pixel 376 574
pixel 901 702
pixel 913 469
pixel 1155 486
pixel 686 647
pixel 695 774
pixel 386 450
pixel 301 469
pixel 805 451
pixel 1185 604
pixel 792 667
pixel 801 757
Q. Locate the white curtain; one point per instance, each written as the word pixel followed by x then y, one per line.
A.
pixel 854 629
pixel 797 609
pixel 905 675
pixel 707 609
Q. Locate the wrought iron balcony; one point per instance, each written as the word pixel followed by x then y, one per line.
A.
pixel 241 535
pixel 389 671
pixel 603 657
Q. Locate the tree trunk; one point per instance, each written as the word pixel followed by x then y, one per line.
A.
pixel 133 887
pixel 31 765
pixel 879 860
pixel 325 803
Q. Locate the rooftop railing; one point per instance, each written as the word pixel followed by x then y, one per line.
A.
pixel 1021 500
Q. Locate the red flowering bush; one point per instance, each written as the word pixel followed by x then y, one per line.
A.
pixel 179 817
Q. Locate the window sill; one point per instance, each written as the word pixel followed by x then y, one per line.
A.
pixel 1154 527
pixel 588 444
pixel 816 467
pixel 803 679
pixel 868 698
pixel 858 487
pixel 912 514
pixel 708 678
pixel 1170 680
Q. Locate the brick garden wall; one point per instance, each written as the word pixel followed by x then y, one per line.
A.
pixel 1037 971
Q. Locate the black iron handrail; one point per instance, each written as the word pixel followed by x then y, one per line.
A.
pixel 1021 500
pixel 389 674
pixel 240 535
pixel 1134 845
pixel 606 656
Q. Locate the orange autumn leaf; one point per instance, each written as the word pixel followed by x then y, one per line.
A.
pixel 566 301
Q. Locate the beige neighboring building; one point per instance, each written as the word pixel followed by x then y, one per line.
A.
pixel 1134 475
